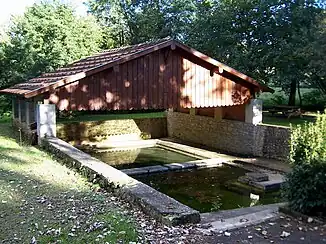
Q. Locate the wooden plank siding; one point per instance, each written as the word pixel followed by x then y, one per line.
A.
pixel 160 80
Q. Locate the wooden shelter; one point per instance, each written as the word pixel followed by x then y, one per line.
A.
pixel 154 75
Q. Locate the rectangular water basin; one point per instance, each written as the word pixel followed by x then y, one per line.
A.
pixel 205 189
pixel 126 158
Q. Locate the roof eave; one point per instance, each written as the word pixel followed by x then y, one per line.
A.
pixel 218 64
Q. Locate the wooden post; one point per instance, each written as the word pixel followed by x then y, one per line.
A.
pixel 27 108
pixel 218 113
pixel 192 111
pixel 13 103
pixel 19 111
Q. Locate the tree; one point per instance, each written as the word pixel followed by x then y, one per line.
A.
pixel 317 52
pixel 48 35
pixel 131 22
pixel 264 39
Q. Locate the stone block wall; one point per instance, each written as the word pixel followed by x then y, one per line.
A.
pixel 276 141
pixel 101 130
pixel 29 136
pixel 229 135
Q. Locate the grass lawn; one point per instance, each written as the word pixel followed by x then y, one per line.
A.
pixel 111 116
pixel 42 200
pixel 284 121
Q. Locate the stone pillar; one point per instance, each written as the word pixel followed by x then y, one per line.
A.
pixel 46 121
pixel 218 113
pixel 254 111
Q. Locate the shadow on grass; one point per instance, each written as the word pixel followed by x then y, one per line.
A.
pixel 45 200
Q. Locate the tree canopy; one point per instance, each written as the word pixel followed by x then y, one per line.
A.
pixel 48 35
pixel 277 42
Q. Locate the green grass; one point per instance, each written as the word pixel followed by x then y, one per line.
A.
pixel 284 121
pixel 42 199
pixel 102 117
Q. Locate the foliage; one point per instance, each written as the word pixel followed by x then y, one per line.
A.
pixel 305 185
pixel 308 142
pixel 265 39
pixel 314 99
pixel 131 22
pixel 5 105
pixel 305 188
pixel 48 35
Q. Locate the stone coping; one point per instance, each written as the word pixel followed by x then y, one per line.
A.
pixel 153 202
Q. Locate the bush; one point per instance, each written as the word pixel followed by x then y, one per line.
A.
pixel 308 141
pixel 306 184
pixel 314 100
pixel 305 188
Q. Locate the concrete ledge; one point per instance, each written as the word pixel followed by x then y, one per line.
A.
pixel 154 203
pixel 237 218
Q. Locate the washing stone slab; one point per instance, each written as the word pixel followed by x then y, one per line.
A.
pixel 145 170
pixel 257 177
pixel 210 163
pixel 180 166
pixel 274 183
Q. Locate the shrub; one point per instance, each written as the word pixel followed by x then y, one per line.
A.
pixel 306 184
pixel 314 100
pixel 308 141
pixel 305 188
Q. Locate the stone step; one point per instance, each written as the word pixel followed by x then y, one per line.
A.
pixel 237 218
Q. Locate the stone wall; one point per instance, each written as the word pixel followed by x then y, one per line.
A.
pixel 101 130
pixel 229 135
pixel 28 135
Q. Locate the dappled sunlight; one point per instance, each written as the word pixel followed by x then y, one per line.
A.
pixel 44 199
pixel 28 160
pixel 160 80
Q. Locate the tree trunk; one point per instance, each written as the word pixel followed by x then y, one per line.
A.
pixel 299 94
pixel 293 90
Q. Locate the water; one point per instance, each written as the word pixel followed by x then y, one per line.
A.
pixel 204 189
pixel 141 157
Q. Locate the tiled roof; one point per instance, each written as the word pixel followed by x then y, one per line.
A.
pixel 80 66
pixel 104 60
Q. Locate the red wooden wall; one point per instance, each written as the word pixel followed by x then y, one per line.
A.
pixel 160 80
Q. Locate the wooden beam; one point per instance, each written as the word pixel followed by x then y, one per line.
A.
pixel 218 113
pixel 173 46
pixel 55 85
pixel 116 69
pixel 192 111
